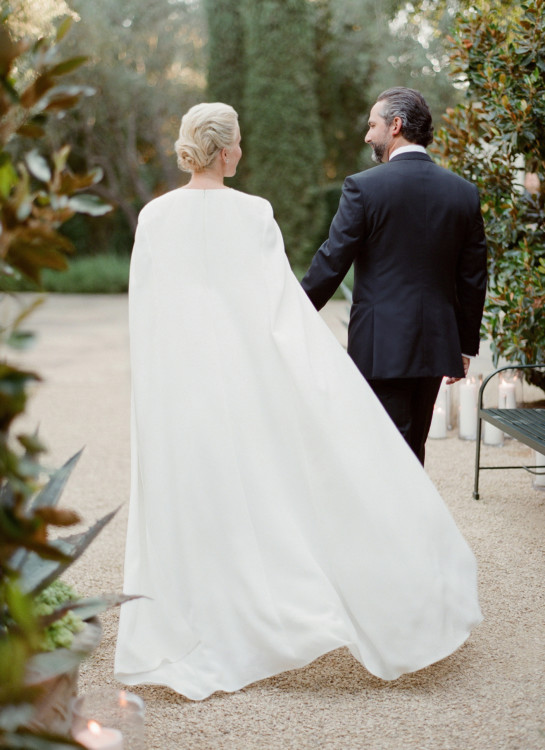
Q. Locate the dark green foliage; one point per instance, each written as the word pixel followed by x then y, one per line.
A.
pixel 283 135
pixel 146 62
pixel 104 234
pixel 227 63
pixel 105 273
pixel 37 194
pixel 359 54
pixel 493 138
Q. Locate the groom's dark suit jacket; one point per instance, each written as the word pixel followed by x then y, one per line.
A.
pixel 415 234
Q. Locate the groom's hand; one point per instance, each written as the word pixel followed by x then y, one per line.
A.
pixel 465 360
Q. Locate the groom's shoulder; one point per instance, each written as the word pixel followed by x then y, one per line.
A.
pixel 367 176
pixel 382 174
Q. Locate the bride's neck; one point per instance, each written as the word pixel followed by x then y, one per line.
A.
pixel 209 179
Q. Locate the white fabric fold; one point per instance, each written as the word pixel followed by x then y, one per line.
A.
pixel 275 512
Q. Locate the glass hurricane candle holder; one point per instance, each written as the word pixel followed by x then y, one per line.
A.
pixel 468 390
pixel 507 390
pixel 440 418
pixel 492 435
pixel 109 718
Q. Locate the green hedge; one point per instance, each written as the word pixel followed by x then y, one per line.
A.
pixel 99 274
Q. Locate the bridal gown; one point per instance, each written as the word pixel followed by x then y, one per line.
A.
pixel 276 513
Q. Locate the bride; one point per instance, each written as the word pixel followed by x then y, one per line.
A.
pixel 276 513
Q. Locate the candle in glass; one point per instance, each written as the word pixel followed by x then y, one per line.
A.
pixel 492 434
pixel 97 737
pixel 467 423
pixel 438 427
pixel 507 398
pixel 116 709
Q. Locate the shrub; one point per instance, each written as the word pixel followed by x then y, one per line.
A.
pixel 99 274
pixel 494 138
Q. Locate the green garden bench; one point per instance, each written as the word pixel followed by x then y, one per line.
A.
pixel 525 425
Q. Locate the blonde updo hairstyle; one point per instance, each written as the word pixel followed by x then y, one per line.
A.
pixel 206 129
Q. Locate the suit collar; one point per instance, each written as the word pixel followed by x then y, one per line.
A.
pixel 411 155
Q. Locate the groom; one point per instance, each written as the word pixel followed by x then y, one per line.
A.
pixel 415 234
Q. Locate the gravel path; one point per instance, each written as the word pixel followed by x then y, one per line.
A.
pixel 489 695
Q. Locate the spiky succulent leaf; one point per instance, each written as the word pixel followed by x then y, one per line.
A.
pixel 51 493
pixel 36 573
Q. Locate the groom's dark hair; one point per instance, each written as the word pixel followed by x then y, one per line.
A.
pixel 411 107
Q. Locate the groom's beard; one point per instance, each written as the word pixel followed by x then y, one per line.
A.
pixel 379 149
pixel 378 152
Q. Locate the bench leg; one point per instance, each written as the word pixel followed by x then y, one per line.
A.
pixel 477 459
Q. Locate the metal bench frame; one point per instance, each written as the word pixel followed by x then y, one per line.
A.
pixel 525 425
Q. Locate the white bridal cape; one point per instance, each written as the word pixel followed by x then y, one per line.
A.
pixel 275 512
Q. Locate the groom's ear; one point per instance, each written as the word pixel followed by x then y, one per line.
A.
pixel 397 124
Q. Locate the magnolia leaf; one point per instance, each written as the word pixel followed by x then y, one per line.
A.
pixel 64 28
pixel 24 209
pixel 67 66
pixel 20 339
pixel 31 130
pixel 71 183
pixel 8 175
pixel 30 259
pixel 9 50
pixel 89 204
pixel 60 158
pixel 36 91
pixel 97 173
pixel 61 102
pixel 38 166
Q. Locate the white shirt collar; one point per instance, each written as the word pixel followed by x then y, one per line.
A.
pixel 407 149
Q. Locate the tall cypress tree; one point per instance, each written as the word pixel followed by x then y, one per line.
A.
pixel 226 52
pixel 284 149
pixel 226 60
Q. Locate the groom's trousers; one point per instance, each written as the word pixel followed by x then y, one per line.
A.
pixel 409 402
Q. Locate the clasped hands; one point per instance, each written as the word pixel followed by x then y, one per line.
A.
pixel 465 360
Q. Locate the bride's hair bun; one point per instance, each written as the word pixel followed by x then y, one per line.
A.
pixel 205 130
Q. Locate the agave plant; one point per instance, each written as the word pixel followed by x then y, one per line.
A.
pixel 29 562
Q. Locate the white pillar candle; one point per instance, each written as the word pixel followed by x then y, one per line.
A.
pixel 492 434
pixel 467 422
pixel 539 479
pixel 438 427
pixel 97 737
pixel 443 400
pixel 447 390
pixel 507 396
